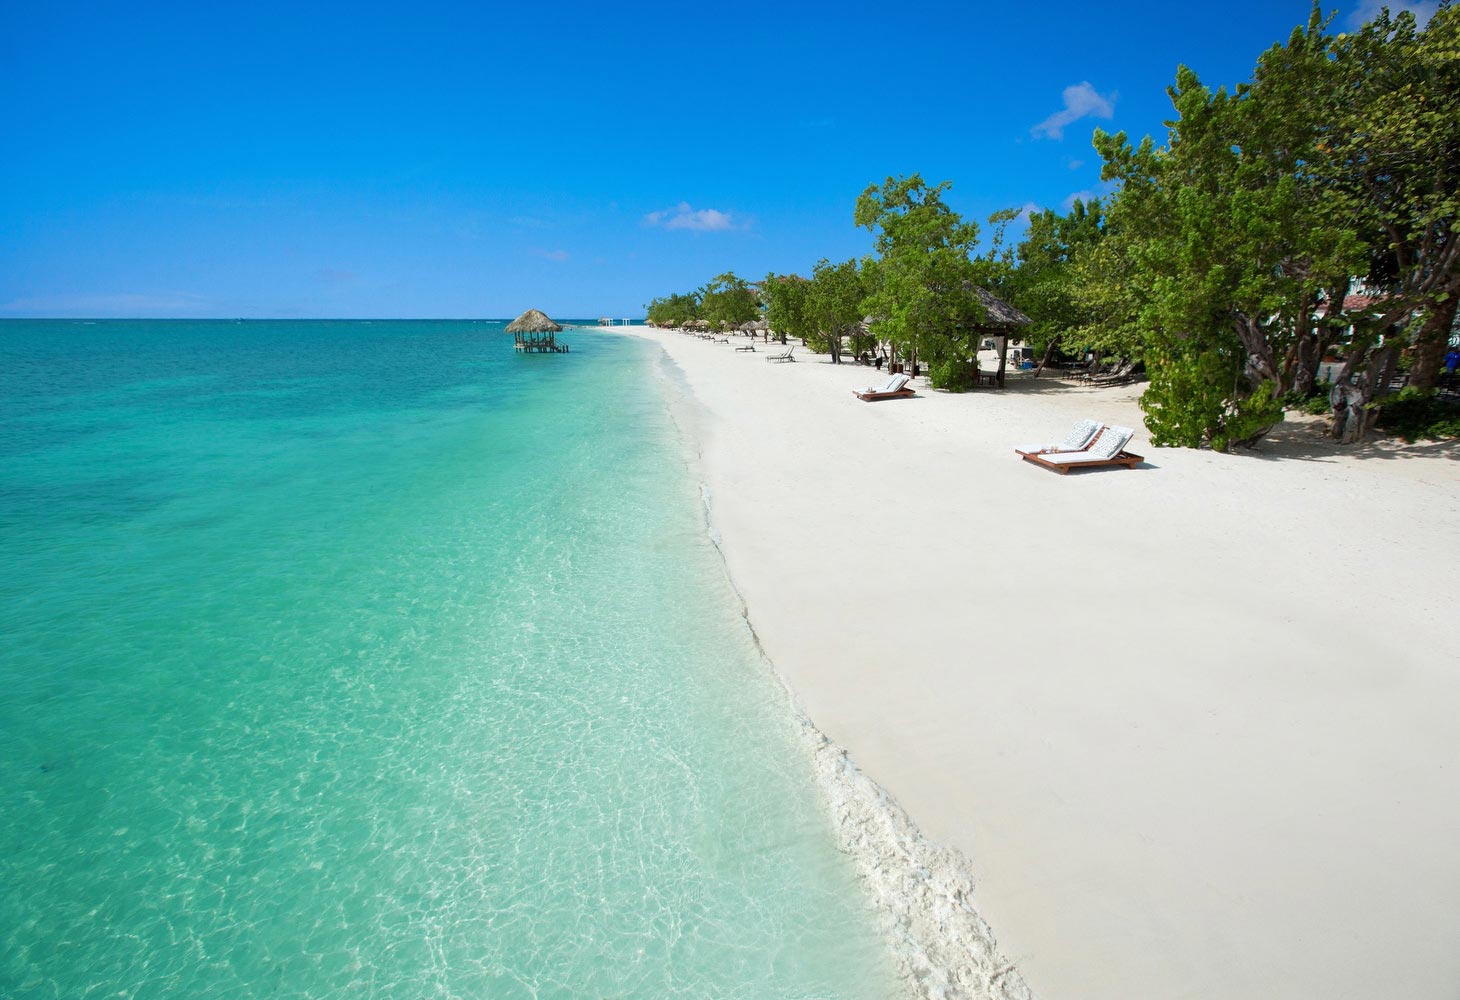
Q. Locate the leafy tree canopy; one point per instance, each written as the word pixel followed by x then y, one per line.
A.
pixel 674 310
pixel 785 298
pixel 833 305
pixel 729 300
pixel 920 282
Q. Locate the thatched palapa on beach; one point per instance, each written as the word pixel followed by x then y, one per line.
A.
pixel 1001 315
pixel 1000 320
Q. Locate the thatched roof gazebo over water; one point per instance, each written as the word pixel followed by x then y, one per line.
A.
pixel 534 333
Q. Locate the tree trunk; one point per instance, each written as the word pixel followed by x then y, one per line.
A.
pixel 1349 397
pixel 1300 367
pixel 1260 364
pixel 1381 372
pixel 1350 419
pixel 1430 346
pixel 1310 356
pixel 1048 354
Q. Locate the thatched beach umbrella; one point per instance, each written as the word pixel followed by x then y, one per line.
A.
pixel 533 321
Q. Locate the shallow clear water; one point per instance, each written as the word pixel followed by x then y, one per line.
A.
pixel 370 659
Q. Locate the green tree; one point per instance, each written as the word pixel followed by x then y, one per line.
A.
pixel 674 310
pixel 785 298
pixel 1234 240
pixel 920 284
pixel 1394 151
pixel 996 269
pixel 1043 283
pixel 729 300
pixel 1233 246
pixel 833 305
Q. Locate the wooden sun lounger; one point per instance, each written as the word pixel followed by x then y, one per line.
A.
pixel 871 397
pixel 1065 467
pixel 1104 450
pixel 873 393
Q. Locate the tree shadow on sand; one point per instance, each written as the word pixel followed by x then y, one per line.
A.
pixel 1306 439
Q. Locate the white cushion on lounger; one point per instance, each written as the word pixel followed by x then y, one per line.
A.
pixel 893 384
pixel 1078 437
pixel 1109 445
pixel 1073 458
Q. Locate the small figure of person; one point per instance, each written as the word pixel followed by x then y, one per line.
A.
pixel 1452 361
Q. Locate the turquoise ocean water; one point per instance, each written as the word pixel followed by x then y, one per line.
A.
pixel 344 659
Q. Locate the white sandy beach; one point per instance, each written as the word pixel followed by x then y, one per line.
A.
pixel 1193 725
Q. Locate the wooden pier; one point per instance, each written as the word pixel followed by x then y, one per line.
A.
pixel 537 343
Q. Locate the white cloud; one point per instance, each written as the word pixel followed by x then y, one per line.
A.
pixel 557 255
pixel 683 216
pixel 1081 101
pixel 1086 196
pixel 1076 164
pixel 1367 10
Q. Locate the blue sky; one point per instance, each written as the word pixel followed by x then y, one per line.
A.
pixel 457 160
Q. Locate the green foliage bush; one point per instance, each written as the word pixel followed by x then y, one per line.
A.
pixel 1189 403
pixel 1315 403
pixel 953 375
pixel 1317 406
pixel 1416 414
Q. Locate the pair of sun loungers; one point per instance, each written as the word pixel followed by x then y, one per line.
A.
pixel 1088 445
pixel 896 387
pixel 783 355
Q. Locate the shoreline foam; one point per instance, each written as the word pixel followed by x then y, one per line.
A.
pixel 923 893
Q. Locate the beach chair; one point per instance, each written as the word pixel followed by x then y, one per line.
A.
pixel 783 355
pixel 746 347
pixel 895 387
pixel 1080 437
pixel 1108 450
